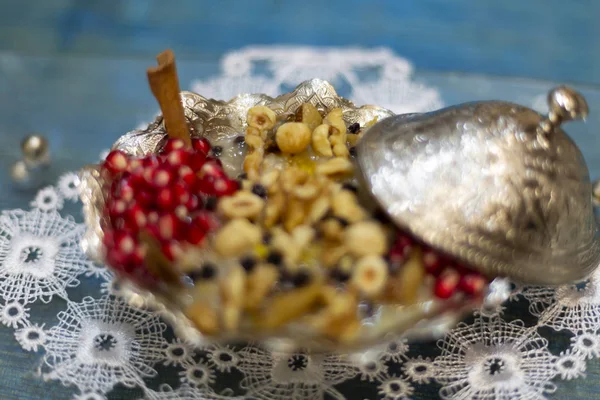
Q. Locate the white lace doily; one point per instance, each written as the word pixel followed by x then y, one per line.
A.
pixel 99 344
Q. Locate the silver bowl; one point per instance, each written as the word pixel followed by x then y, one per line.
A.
pixel 219 120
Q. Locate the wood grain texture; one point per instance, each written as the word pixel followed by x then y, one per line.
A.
pixel 548 39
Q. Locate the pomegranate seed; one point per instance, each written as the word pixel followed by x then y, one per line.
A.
pixel 137 179
pixel 135 217
pixel 206 221
pixel 114 189
pixel 472 284
pixel 124 242
pixel 193 203
pixel 462 269
pixel 194 235
pixel 181 211
pixel 173 144
pixel 205 187
pixel 187 175
pixel 166 199
pixel 153 217
pixel 177 158
pixel 138 256
pixel 396 256
pixel 432 262
pixel 446 284
pixel 148 176
pixel 171 249
pixel 117 208
pixel 404 244
pixel 181 193
pixel 211 170
pixel 116 162
pixel 168 226
pixel 225 187
pixel 109 238
pixel 152 229
pixel 201 145
pixel 143 277
pixel 146 200
pixel 150 161
pixel 196 160
pixel 116 259
pixel 127 263
pixel 162 177
pixel 215 160
pixel 134 164
pixel 123 189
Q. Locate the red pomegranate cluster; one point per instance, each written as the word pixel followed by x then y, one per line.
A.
pixel 169 195
pixel 451 276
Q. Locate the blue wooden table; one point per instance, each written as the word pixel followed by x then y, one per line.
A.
pixel 544 39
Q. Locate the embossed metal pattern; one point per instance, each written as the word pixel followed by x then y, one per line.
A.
pixel 216 118
pixel 484 183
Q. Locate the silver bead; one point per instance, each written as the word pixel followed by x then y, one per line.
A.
pixel 35 150
pixel 19 172
pixel 566 104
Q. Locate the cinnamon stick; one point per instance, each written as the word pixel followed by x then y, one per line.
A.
pixel 164 84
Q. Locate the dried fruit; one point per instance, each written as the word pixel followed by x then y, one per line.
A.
pixel 338 166
pixel 309 115
pixel 258 284
pixel 294 214
pixel 411 279
pixel 274 209
pixel 318 209
pixel 268 180
pixel 237 237
pixel 232 291
pixel 331 229
pixel 303 235
pixel 286 306
pixel 345 205
pixel 204 316
pixel 332 253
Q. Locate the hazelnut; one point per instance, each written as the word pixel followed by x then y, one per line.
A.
pixel 261 117
pixel 293 137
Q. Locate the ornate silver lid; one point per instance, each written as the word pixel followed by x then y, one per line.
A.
pixel 495 184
